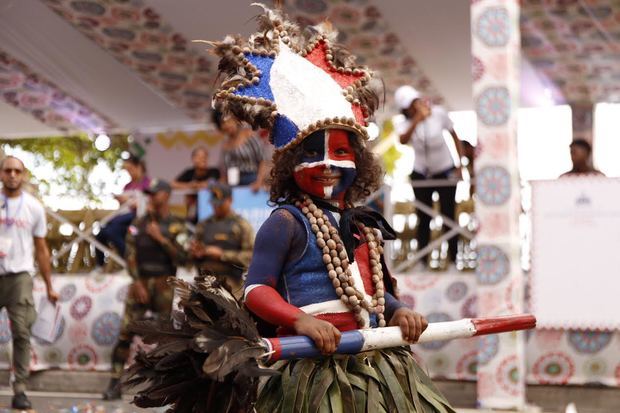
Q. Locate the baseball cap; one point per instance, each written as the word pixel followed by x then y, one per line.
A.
pixel 404 95
pixel 219 192
pixel 157 185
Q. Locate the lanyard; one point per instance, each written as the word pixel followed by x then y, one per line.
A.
pixel 10 221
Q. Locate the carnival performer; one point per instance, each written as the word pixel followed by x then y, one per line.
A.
pixel 318 266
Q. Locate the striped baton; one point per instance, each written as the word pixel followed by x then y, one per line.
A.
pixel 356 341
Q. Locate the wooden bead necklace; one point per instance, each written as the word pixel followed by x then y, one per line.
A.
pixel 337 263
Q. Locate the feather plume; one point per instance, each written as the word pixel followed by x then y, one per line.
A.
pixel 207 355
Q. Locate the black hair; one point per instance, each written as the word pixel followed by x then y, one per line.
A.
pixel 284 189
pixel 198 149
pixel 583 144
pixel 409 112
pixel 136 161
pixel 217 117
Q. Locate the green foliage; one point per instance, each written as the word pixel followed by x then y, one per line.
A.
pixel 72 159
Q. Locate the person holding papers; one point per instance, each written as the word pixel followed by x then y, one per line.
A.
pixel 22 238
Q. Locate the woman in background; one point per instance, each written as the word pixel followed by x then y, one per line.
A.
pixel 245 155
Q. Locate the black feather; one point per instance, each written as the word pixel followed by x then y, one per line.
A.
pixel 211 363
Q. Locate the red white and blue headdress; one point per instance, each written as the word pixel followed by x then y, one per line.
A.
pixel 292 82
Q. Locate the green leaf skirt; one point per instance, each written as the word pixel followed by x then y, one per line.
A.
pixel 376 381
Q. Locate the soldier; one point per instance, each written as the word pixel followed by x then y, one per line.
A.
pixel 224 242
pixel 154 250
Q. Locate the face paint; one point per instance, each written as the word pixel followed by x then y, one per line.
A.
pixel 327 167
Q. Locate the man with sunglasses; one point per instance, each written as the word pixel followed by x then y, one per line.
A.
pixel 22 238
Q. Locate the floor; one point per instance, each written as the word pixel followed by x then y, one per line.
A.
pixel 48 402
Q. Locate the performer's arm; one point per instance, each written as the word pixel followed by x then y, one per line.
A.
pixel 274 242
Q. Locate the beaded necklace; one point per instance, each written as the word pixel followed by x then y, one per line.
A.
pixel 337 263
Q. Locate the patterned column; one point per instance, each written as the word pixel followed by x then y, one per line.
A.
pixel 583 120
pixel 496 55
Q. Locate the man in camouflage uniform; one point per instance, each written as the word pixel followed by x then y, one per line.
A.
pixel 224 242
pixel 154 250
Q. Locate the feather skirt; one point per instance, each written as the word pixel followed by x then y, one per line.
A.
pixel 372 382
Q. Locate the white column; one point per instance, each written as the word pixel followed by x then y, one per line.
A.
pixel 496 55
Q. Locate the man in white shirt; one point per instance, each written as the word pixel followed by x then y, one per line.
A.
pixel 22 238
pixel 423 126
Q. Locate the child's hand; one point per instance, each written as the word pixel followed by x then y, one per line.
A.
pixel 411 323
pixel 326 337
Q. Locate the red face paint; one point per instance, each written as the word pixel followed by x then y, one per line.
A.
pixel 327 167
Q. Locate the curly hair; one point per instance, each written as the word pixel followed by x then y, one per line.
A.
pixel 284 189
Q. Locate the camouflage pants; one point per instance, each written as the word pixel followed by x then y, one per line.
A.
pixel 16 296
pixel 160 296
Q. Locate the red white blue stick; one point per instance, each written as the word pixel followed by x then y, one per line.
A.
pixel 356 341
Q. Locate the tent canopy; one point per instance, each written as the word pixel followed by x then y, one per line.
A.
pixel 107 65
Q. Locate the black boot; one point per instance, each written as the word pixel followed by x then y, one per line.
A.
pixel 114 390
pixel 20 401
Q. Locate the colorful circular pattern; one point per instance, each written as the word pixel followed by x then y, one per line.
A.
pixel 493 185
pixel 456 291
pixel 82 357
pixel 477 68
pixel 507 376
pixel 493 265
pixel 594 368
pixel 488 347
pixel 53 356
pixel 467 366
pixel 553 368
pixel 106 328
pixel 469 309
pixel 436 318
pixel 5 328
pixel 493 27
pixel 589 341
pixel 493 106
pixel 81 307
pixel 67 292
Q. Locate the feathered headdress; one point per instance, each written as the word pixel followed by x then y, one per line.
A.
pixel 293 82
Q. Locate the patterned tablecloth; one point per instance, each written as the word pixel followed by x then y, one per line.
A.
pixel 92 306
pixel 553 356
